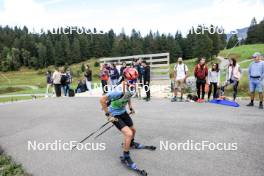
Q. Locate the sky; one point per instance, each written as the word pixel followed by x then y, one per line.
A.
pixel 166 16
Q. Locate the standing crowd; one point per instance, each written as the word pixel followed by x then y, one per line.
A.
pixel 59 82
pixel 208 79
pixel 111 75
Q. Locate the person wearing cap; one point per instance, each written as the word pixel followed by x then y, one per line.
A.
pixel 180 76
pixel 255 76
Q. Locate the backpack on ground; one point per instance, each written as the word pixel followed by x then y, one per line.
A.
pixel 192 97
pixel 71 93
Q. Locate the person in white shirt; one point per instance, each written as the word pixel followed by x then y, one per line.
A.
pixel 213 80
pixel 56 77
pixel 180 76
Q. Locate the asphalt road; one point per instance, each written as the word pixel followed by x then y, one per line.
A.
pixel 157 121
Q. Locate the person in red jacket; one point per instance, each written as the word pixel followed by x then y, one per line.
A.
pixel 201 73
pixel 104 76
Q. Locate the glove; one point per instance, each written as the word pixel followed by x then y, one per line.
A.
pixel 111 119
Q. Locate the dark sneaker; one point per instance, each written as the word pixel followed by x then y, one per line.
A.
pixel 250 104
pixel 260 106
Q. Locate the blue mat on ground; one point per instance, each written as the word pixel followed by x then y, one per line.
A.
pixel 225 102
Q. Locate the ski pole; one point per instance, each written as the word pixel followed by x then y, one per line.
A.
pixel 110 119
pixel 103 132
pixel 131 113
pixel 91 134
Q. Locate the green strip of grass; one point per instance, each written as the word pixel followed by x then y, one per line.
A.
pixel 9 168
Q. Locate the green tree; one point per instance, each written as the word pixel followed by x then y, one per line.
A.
pixel 214 36
pixel 42 56
pixel 59 59
pixel 25 55
pixel 65 45
pixel 190 45
pixel 232 42
pixel 203 45
pixel 84 47
pixel 252 35
pixel 75 51
pixel 50 60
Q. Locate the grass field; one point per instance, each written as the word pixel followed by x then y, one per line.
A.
pixel 243 53
pixel 29 81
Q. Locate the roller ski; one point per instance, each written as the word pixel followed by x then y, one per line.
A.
pixel 126 160
pixel 135 145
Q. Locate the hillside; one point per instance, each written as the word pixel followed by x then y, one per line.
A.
pixel 243 53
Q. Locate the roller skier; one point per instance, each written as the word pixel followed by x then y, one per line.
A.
pixel 114 105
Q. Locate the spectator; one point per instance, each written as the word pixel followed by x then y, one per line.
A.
pixel 256 75
pixel 68 82
pixel 133 63
pixel 180 76
pixel 64 82
pixel 233 76
pixel 201 73
pixel 140 70
pixel 118 67
pixel 214 80
pixel 146 78
pixel 49 83
pixel 88 78
pixel 56 77
pixel 124 65
pixel 113 76
pixel 81 87
pixel 104 76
